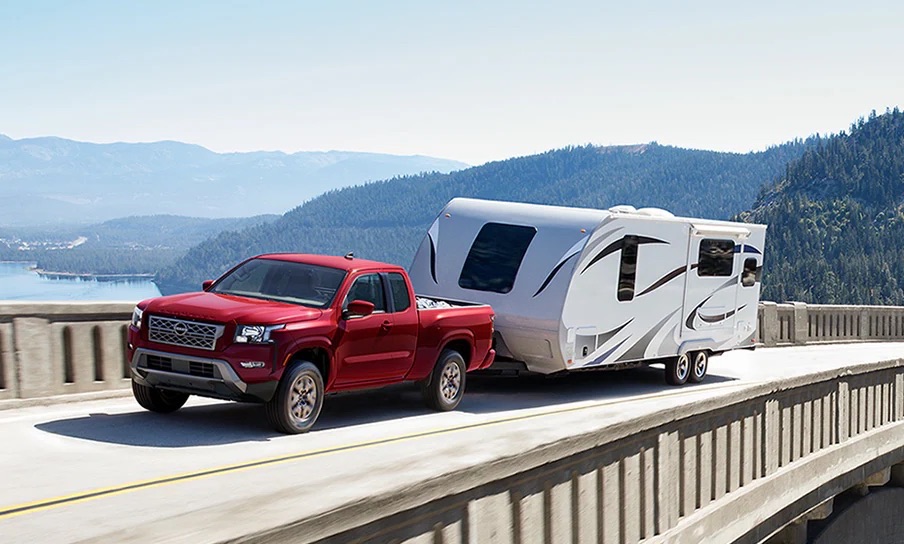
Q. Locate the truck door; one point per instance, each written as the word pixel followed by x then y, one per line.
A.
pixel 368 350
pixel 711 295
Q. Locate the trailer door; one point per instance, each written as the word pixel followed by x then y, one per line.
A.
pixel 711 297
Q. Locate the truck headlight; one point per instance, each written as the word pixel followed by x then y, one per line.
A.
pixel 136 317
pixel 254 334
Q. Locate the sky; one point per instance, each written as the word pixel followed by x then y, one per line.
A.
pixel 472 81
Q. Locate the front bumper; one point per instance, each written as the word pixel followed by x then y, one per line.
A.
pixel 202 376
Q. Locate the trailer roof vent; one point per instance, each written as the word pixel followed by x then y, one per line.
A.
pixel 655 212
pixel 623 208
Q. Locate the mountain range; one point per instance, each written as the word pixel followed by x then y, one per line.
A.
pixel 53 180
pixel 834 205
pixel 385 220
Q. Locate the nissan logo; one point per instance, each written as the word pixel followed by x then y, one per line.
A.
pixel 180 329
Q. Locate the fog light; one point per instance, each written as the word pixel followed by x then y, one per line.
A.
pixel 252 364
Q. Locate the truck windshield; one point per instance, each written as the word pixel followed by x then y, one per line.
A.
pixel 283 281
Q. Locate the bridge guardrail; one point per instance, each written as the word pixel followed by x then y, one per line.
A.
pixel 57 348
pixel 718 472
pixel 796 323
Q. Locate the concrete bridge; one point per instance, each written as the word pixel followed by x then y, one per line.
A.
pixel 801 440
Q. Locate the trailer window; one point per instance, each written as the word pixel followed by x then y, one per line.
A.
pixel 627 271
pixel 716 258
pixel 495 257
pixel 749 277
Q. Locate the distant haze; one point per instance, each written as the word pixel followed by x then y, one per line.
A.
pixel 471 80
pixel 53 180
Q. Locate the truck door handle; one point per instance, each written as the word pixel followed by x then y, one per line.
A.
pixel 386 325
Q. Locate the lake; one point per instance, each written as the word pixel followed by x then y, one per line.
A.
pixel 17 282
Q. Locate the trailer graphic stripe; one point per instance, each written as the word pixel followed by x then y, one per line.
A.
pixel 600 239
pixel 690 318
pixel 746 248
pixel 609 250
pixel 639 348
pixel 617 245
pixel 554 272
pixel 719 317
pixel 608 335
pixel 664 280
pixel 432 258
pixel 599 360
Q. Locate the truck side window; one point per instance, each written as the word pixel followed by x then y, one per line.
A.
pixel 716 257
pixel 399 290
pixel 370 288
pixel 627 271
pixel 749 276
pixel 495 257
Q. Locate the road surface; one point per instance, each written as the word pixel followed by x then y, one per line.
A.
pixel 107 471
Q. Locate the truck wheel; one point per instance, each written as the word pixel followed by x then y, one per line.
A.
pixel 158 400
pixel 298 399
pixel 677 370
pixel 699 366
pixel 446 385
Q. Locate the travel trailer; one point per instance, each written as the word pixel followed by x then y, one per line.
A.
pixel 579 289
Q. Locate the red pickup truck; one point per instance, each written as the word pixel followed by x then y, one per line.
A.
pixel 286 329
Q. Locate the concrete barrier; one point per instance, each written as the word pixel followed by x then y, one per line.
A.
pixel 733 469
pixel 60 348
pixel 796 323
pixel 54 348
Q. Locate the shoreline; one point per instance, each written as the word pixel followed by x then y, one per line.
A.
pixel 90 276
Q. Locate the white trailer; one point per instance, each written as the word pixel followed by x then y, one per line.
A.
pixel 578 289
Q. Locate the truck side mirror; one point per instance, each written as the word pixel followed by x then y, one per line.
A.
pixel 206 285
pixel 358 308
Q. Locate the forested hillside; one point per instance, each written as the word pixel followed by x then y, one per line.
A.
pixel 385 220
pixel 836 219
pixel 130 245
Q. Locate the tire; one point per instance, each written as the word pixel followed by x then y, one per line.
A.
pixel 445 387
pixel 699 366
pixel 296 404
pixel 677 370
pixel 158 400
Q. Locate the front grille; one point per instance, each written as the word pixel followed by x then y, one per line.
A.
pixel 180 332
pixel 175 365
pixel 205 370
pixel 155 362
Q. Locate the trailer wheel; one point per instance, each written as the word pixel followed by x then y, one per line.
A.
pixel 677 370
pixel 446 385
pixel 299 397
pixel 699 366
pixel 158 400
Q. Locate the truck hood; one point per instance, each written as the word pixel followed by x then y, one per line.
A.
pixel 219 308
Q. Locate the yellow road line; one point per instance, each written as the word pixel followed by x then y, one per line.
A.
pixel 84 496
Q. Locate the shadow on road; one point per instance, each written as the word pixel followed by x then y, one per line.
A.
pixel 229 423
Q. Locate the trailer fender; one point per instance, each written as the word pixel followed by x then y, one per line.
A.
pixel 699 344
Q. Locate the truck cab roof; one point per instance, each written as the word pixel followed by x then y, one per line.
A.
pixel 349 264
